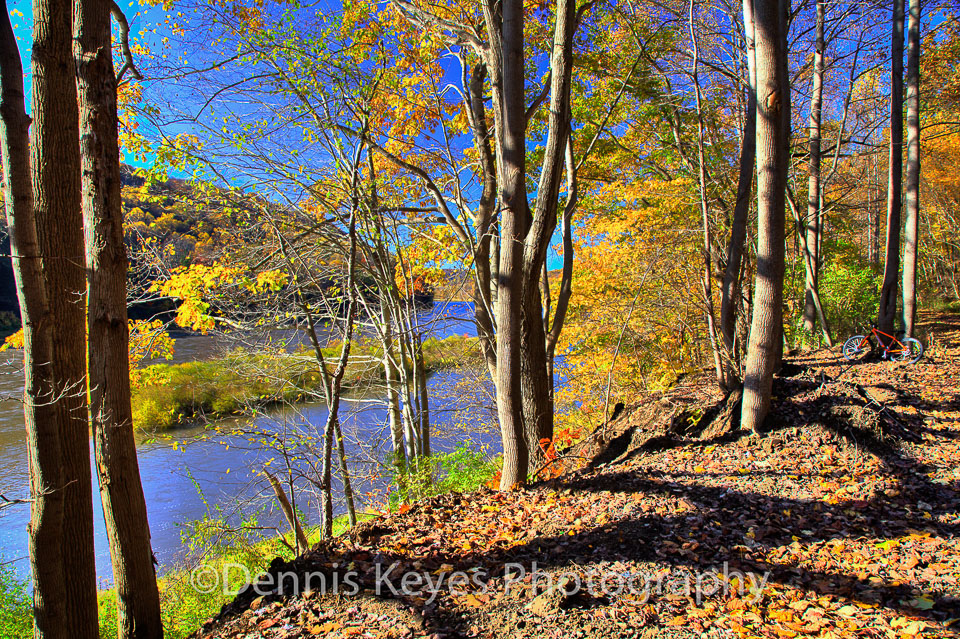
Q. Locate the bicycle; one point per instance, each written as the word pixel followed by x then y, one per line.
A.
pixel 904 349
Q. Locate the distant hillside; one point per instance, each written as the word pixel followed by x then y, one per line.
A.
pixel 168 223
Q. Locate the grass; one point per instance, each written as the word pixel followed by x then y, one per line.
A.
pixel 171 394
pixel 463 470
pixel 183 607
pixel 16 609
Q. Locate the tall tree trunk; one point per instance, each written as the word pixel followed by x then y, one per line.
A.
pixel 513 196
pixel 811 247
pixel 911 225
pixel 391 378
pixel 730 293
pixel 773 112
pixel 43 437
pixel 707 281
pixel 56 164
pixel 124 506
pixel 891 262
pixel 875 214
pixel 420 382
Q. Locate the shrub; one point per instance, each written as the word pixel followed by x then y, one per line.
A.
pixel 16 611
pixel 461 470
pixel 849 292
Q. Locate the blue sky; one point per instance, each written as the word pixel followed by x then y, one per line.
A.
pixel 142 20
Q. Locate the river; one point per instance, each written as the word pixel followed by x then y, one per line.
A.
pixel 193 472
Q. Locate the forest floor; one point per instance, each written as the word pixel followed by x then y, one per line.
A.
pixel 841 521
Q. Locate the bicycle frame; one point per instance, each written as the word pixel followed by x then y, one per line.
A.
pixel 888 348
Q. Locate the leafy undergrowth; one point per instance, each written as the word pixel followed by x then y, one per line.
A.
pixel 841 521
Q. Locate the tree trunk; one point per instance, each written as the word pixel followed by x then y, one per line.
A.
pixel 707 281
pixel 513 196
pixel 420 382
pixel 730 294
pixel 124 507
pixel 911 225
pixel 43 437
pixel 55 160
pixel 537 398
pixel 288 511
pixel 811 230
pixel 348 497
pixel 391 378
pixel 891 262
pixel 773 112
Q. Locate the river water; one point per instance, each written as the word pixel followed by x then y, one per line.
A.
pixel 193 472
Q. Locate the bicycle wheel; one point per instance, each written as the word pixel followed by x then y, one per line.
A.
pixel 911 352
pixel 856 347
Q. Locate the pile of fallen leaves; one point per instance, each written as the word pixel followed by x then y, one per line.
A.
pixel 841 521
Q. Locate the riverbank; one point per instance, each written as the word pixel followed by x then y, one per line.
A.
pixel 196 591
pixel 168 395
pixel 839 520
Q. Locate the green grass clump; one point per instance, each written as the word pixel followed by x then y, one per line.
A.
pixel 169 394
pixel 183 607
pixel 462 470
pixel 16 609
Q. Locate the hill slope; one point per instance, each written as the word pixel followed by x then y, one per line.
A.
pixel 841 521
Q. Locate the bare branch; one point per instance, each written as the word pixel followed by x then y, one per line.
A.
pixel 128 64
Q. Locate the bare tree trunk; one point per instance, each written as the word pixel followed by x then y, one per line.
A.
pixel 891 262
pixel 420 383
pixel 806 253
pixel 348 497
pixel 868 240
pixel 773 112
pixel 811 226
pixel 911 225
pixel 730 294
pixel 43 437
pixel 288 511
pixel 537 399
pixel 124 507
pixel 395 420
pixel 875 224
pixel 707 281
pixel 513 196
pixel 56 164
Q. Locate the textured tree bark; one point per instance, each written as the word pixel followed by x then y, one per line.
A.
pixel 124 506
pixel 514 211
pixel 811 227
pixel 538 229
pixel 55 158
pixel 911 224
pixel 730 292
pixel 348 497
pixel 773 112
pixel 484 256
pixel 43 437
pixel 891 262
pixel 536 386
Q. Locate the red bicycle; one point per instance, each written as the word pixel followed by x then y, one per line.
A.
pixel 902 349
